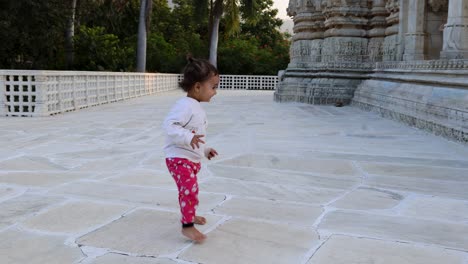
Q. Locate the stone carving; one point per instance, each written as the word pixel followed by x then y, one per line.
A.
pixel 424 65
pixel 291 10
pixel 375 49
pixel 389 52
pixel 438 5
pixel 452 40
pixel 342 49
pixel 392 6
pixel 305 52
pixel 316 50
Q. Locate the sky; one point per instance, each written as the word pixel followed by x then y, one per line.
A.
pixel 281 5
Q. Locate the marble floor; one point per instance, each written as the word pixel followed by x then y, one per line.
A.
pixel 293 183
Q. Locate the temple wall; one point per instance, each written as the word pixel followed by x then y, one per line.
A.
pixel 407 60
pixel 432 96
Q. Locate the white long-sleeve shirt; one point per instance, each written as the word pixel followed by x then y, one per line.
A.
pixel 186 119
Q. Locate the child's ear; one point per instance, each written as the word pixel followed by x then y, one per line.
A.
pixel 197 86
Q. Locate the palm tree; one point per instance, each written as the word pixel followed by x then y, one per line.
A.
pixel 69 34
pixel 231 10
pixel 143 27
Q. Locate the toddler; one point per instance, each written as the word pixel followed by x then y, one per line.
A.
pixel 185 128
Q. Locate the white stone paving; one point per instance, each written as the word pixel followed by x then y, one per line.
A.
pixel 294 183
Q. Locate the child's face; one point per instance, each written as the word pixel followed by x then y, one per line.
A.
pixel 207 89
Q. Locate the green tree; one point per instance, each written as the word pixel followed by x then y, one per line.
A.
pixel 97 51
pixel 162 56
pixel 260 47
pixel 230 9
pixel 32 34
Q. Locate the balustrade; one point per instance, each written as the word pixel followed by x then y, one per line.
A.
pixel 44 93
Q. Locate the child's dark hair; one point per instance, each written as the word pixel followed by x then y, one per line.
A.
pixel 197 70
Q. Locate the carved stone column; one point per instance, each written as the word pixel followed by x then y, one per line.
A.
pixel 415 36
pixel 305 50
pixel 345 37
pixel 345 52
pixel 392 39
pixel 377 32
pixel 456 31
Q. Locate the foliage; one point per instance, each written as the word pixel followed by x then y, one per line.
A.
pixel 246 56
pixel 102 51
pixel 161 56
pixel 32 34
pixel 262 49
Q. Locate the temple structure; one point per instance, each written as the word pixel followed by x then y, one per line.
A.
pixel 406 59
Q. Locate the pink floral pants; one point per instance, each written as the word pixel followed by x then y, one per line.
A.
pixel 184 173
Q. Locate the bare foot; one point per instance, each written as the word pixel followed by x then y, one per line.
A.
pixel 193 234
pixel 200 220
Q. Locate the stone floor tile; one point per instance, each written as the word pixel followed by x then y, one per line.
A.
pixel 240 241
pixel 39 179
pixel 448 189
pixel 295 158
pixel 333 181
pixel 270 191
pixel 122 259
pixel 155 162
pixel 18 247
pixel 116 164
pixel 437 208
pixel 143 232
pixel 153 178
pixel 29 163
pixel 5 152
pixel 353 250
pixel 75 217
pixel 17 209
pixel 136 194
pixel 89 153
pixel 364 198
pixel 450 235
pixel 294 163
pixel 414 171
pixel 387 157
pixel 298 214
pixel 6 191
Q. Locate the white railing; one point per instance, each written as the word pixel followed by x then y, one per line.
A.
pixel 248 82
pixel 44 93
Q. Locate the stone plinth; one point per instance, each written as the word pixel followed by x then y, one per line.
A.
pixel 456 31
pixel 436 103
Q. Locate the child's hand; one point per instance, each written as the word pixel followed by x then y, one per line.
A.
pixel 196 140
pixel 212 153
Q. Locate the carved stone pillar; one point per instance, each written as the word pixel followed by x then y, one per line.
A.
pixel 326 67
pixel 456 31
pixel 345 37
pixel 415 36
pixel 392 39
pixel 345 50
pixel 377 32
pixel 305 50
